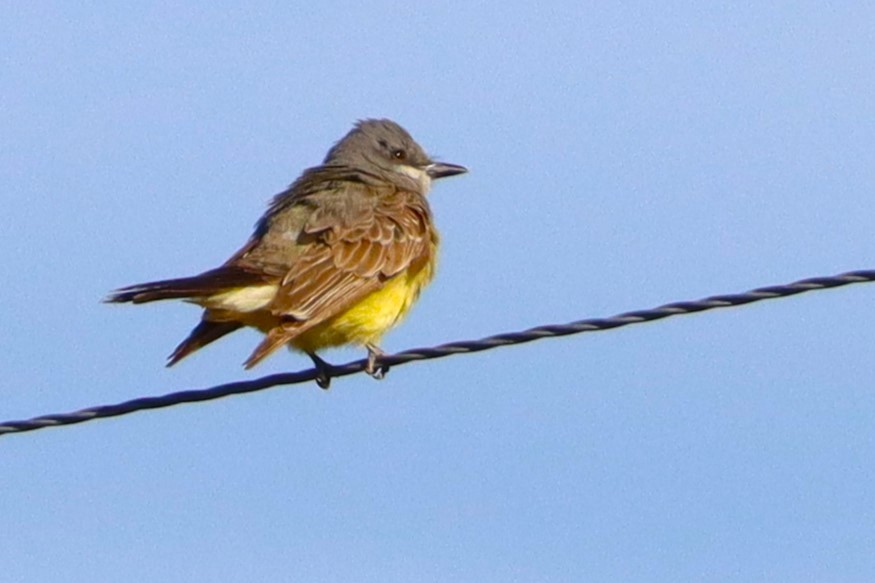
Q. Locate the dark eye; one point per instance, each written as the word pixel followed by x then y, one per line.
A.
pixel 399 154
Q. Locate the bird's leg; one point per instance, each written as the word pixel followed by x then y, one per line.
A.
pixel 378 371
pixel 323 371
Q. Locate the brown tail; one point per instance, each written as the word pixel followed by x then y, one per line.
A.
pixel 205 284
pixel 203 334
pixel 208 283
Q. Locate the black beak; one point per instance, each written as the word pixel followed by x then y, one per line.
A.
pixel 443 169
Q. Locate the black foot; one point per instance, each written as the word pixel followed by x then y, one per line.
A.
pixel 373 368
pixel 323 371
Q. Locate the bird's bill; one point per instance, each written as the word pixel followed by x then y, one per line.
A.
pixel 444 169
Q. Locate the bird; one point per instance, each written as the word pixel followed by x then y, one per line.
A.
pixel 338 258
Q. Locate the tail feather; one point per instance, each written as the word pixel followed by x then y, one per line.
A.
pixel 203 334
pixel 205 284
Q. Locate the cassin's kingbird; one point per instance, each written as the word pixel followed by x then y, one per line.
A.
pixel 337 258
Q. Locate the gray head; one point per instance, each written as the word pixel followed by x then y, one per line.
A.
pixel 384 148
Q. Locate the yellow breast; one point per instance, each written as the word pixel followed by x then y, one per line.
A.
pixel 373 316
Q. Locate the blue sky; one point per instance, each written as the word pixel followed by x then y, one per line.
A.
pixel 622 156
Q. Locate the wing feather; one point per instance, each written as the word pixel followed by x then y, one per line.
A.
pixel 357 248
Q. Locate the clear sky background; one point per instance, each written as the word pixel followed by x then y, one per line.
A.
pixel 622 155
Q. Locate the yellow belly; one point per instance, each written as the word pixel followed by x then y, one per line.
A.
pixel 369 319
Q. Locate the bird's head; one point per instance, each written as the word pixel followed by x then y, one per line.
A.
pixel 384 148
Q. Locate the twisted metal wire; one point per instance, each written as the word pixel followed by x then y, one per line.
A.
pixel 449 349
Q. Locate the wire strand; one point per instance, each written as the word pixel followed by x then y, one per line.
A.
pixel 443 350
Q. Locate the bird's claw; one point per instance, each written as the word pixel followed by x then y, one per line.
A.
pixel 373 367
pixel 323 371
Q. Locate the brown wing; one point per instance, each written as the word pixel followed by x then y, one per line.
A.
pixel 353 244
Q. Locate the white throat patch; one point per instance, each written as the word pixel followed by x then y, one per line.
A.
pixel 417 174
